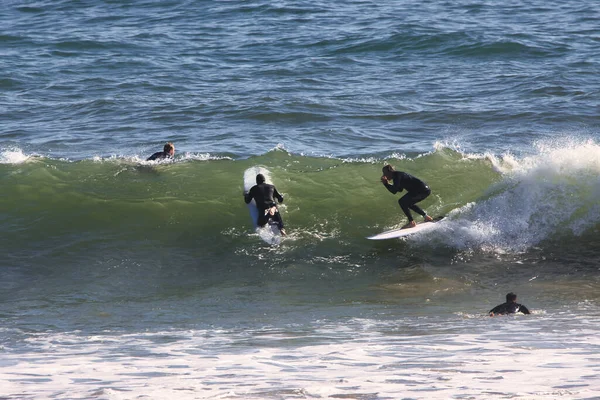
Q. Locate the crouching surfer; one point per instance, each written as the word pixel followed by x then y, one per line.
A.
pixel 264 195
pixel 416 188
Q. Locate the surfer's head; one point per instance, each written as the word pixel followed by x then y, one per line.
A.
pixel 260 178
pixel 511 297
pixel 169 148
pixel 388 171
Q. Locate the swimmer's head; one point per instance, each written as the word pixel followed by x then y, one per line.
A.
pixel 169 148
pixel 260 178
pixel 511 297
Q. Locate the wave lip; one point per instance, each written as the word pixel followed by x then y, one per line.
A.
pixel 13 156
pixel 542 197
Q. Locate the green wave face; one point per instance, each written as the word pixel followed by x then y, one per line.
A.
pixel 493 204
pixel 123 199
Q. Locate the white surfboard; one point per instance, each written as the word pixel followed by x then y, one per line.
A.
pixel 269 233
pixel 399 232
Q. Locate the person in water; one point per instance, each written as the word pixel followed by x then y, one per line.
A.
pixel 416 189
pixel 167 153
pixel 510 307
pixel 264 195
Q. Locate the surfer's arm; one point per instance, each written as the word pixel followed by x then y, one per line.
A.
pixel 392 188
pixel 248 196
pixel 277 196
pixel 494 310
pixel 524 309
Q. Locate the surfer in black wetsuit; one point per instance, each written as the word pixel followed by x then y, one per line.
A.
pixel 167 153
pixel 264 194
pixel 416 188
pixel 510 307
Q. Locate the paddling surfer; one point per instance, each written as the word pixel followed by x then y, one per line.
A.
pixel 265 194
pixel 510 307
pixel 167 153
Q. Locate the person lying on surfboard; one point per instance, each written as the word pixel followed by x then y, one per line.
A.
pixel 416 188
pixel 167 153
pixel 263 194
pixel 510 307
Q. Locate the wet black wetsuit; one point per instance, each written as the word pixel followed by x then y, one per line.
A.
pixel 264 195
pixel 160 155
pixel 509 308
pixel 417 191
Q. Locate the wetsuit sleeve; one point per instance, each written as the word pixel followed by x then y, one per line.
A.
pixel 395 188
pixel 277 195
pixel 390 188
pixel 524 309
pixel 496 309
pixel 161 155
pixel 248 196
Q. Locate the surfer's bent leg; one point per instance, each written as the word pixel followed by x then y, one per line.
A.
pixel 277 218
pixel 263 218
pixel 405 202
pixel 409 200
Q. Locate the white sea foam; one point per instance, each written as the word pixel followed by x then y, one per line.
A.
pixel 13 156
pixel 203 157
pixel 397 156
pixel 136 159
pixel 475 357
pixel 539 197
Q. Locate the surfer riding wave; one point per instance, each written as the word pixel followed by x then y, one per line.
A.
pixel 416 188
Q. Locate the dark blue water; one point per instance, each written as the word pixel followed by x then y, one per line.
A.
pixel 95 78
pixel 122 278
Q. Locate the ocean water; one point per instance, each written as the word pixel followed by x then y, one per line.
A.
pixel 127 279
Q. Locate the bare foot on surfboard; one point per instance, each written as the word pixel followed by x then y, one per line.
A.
pixel 411 224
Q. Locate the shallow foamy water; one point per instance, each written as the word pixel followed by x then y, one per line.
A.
pixel 460 357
